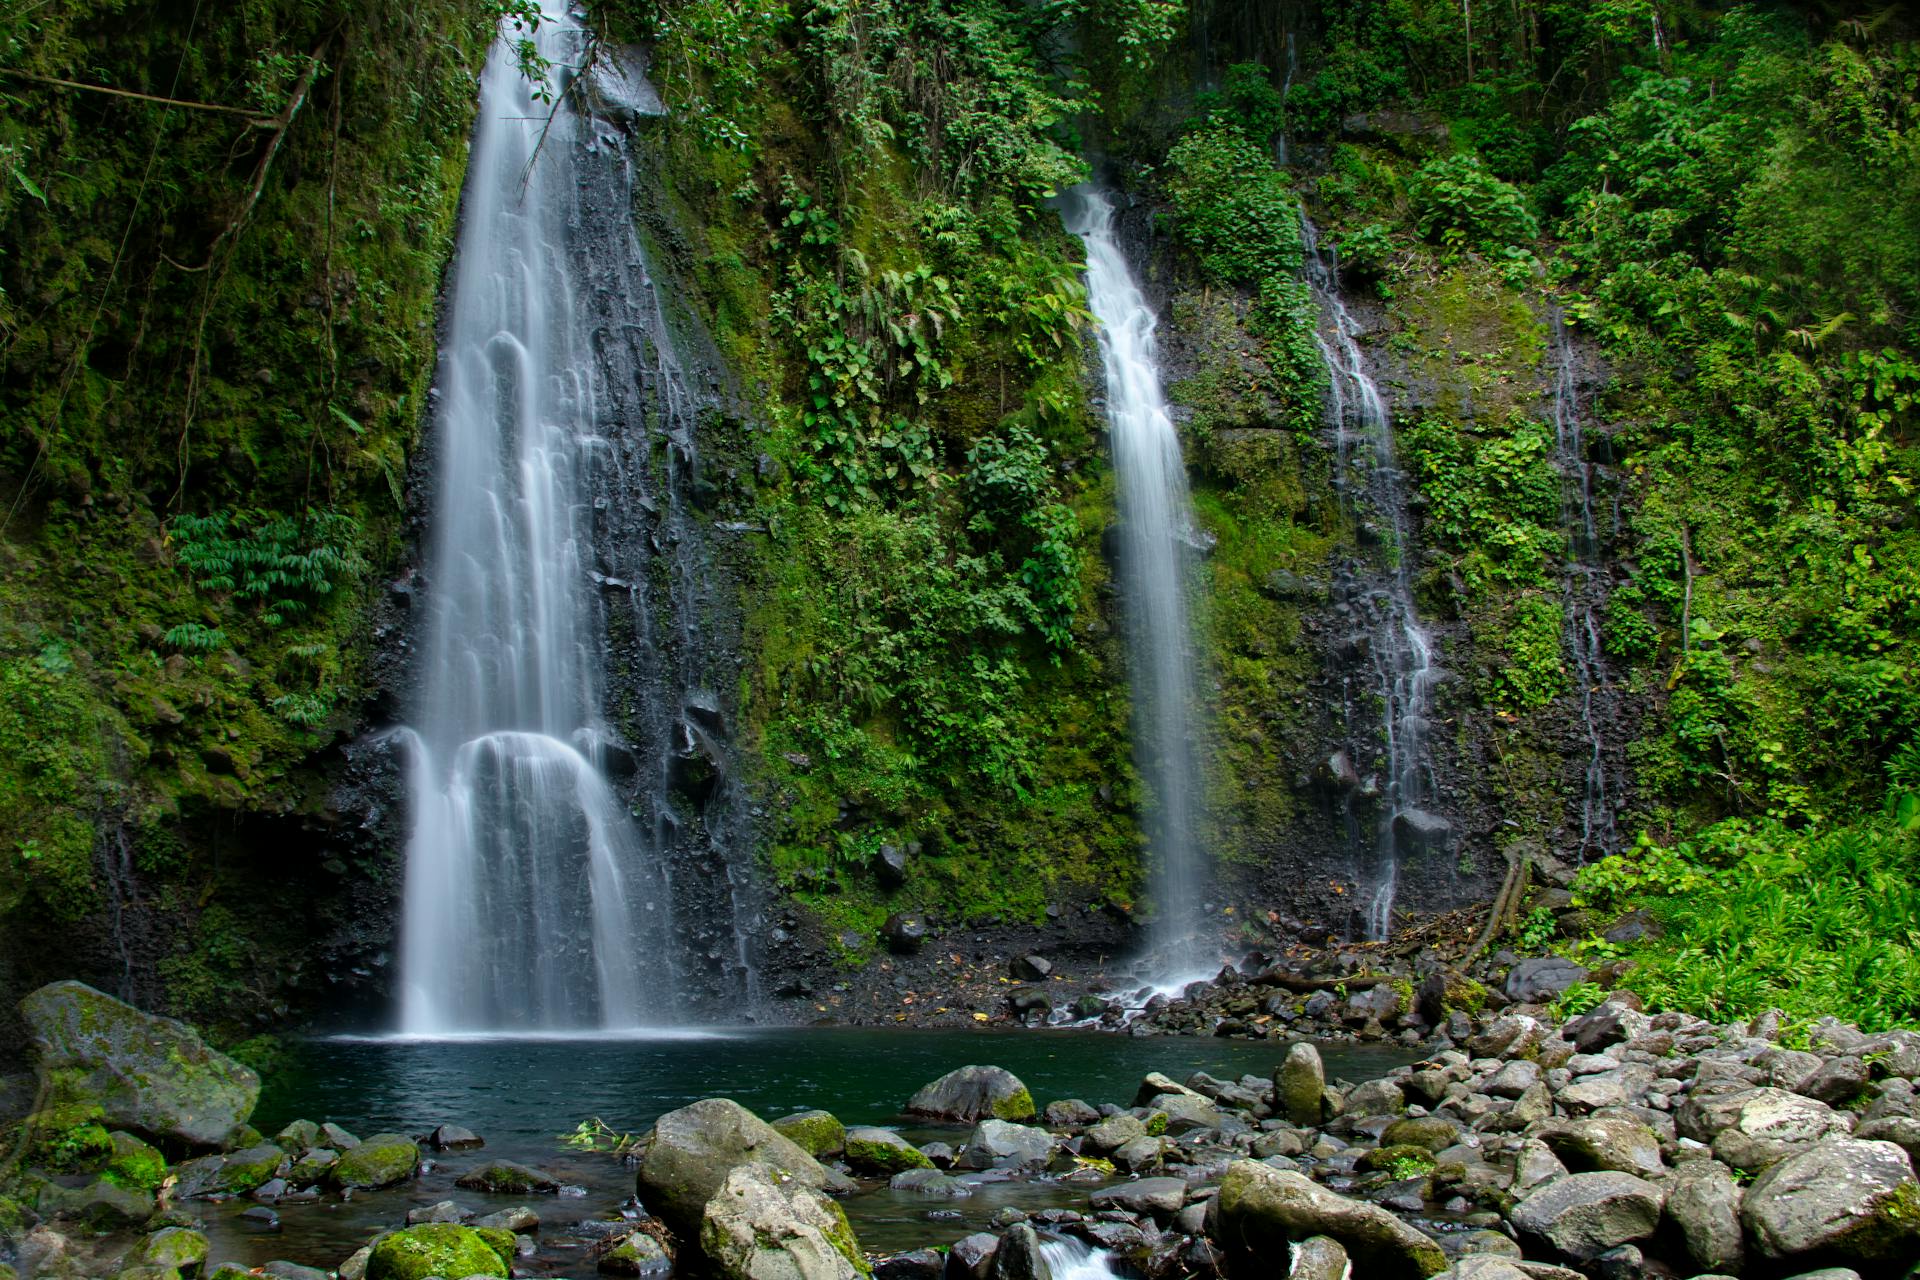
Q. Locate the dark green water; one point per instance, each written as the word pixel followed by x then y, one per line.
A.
pixel 520 1095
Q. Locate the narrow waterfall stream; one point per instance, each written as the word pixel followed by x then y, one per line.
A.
pixel 1389 653
pixel 1585 596
pixel 1157 542
pixel 563 437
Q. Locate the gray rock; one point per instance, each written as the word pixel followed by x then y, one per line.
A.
pixel 996 1144
pixel 818 1133
pixel 1514 1079
pixel 1534 1165
pixel 152 1076
pixel 1511 1035
pixel 915 1264
pixel 338 1139
pixel 1605 1143
pixel 1159 1198
pixel 1319 1258
pixel 452 1137
pixel 1484 1266
pixel 1771 1124
pixel 929 1182
pixel 1186 1112
pixel 875 1150
pixel 1703 1203
pixel 1904 1131
pixel 283 1270
pixel 758 1225
pixel 1435 1133
pixel 1838 1081
pixel 635 1254
pixel 1583 1215
pixel 904 932
pixel 1113 1133
pixel 1260 1210
pixel 383 1160
pixel 689 1153
pixel 1070 1113
pixel 506 1178
pixel 517 1220
pixel 971 1257
pixel 1019 1256
pixel 1376 1098
pixel 1842 1199
pixel 1299 1083
pixel 1030 968
pixel 974 1093
pixel 1142 1155
pixel 445 1211
pixel 1543 979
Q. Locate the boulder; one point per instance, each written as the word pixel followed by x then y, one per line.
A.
pixel 1435 1133
pixel 1703 1203
pixel 1030 968
pixel 759 1225
pixel 818 1133
pixel 518 1219
pixel 230 1175
pixel 915 1264
pixel 688 1154
pixel 1019 1256
pixel 1771 1124
pixel 971 1257
pixel 636 1254
pixel 1159 1198
pixel 1318 1258
pixel 379 1161
pixel 1543 979
pixel 171 1249
pixel 873 1150
pixel 929 1182
pixel 1069 1113
pixel 439 1249
pixel 996 1144
pixel 1605 1144
pixel 154 1077
pixel 503 1178
pixel 1113 1133
pixel 904 932
pixel 444 1211
pixel 1840 1200
pixel 1261 1210
pixel 1514 1079
pixel 1298 1085
pixel 1583 1215
pixel 452 1137
pixel 974 1093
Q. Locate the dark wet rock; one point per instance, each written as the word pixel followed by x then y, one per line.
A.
pixel 929 1182
pixel 451 1137
pixel 1635 926
pixel 1703 1203
pixel 689 1153
pixel 1837 1081
pixel 916 1264
pixel 1069 1113
pixel 100 1205
pixel 1583 1215
pixel 1113 1133
pixel 760 1224
pixel 890 866
pixel 1841 1200
pixel 904 932
pixel 337 1138
pixel 1605 1143
pixel 1030 968
pixel 280 1269
pixel 260 1218
pixel 1416 831
pixel 974 1093
pixel 299 1136
pixel 154 1077
pixel 445 1211
pixel 1543 979
pixel 635 1254
pixel 230 1175
pixel 1019 1256
pixel 1260 1210
pixel 506 1178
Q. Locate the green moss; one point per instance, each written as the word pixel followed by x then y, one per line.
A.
pixel 886 1157
pixel 379 1161
pixel 135 1165
pixel 1016 1106
pixel 818 1133
pixel 439 1249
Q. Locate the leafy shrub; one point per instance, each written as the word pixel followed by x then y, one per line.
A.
pixel 1234 207
pixel 287 566
pixel 1459 203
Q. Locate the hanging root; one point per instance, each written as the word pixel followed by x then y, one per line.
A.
pixel 1506 904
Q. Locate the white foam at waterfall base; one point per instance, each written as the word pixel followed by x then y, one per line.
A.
pixel 1070 1259
pixel 530 900
pixel 1157 537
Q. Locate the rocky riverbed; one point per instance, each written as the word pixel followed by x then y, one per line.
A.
pixel 1616 1145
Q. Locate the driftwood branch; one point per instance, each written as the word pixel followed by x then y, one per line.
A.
pixel 254 116
pixel 1293 982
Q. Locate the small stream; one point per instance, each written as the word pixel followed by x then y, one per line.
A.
pixel 521 1095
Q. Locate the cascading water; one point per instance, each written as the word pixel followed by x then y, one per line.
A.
pixel 1157 545
pixel 1585 596
pixel 1389 650
pixel 1070 1259
pixel 563 433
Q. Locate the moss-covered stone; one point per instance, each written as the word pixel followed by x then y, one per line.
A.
pixel 299 1136
pixel 503 1178
pixel 1403 1160
pixel 818 1133
pixel 100 1205
pixel 379 1161
pixel 443 1249
pixel 134 1164
pixel 883 1151
pixel 172 1249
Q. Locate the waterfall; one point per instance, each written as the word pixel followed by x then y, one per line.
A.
pixel 1157 546
pixel 1390 651
pixel 563 446
pixel 1070 1259
pixel 1585 595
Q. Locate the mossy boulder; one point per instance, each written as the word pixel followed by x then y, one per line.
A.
pixel 504 1178
pixel 883 1151
pixel 150 1076
pixel 312 1167
pixel 443 1249
pixel 1403 1161
pixel 637 1255
pixel 379 1161
pixel 299 1136
pixel 1840 1200
pixel 1299 1083
pixel 1435 1133
pixel 759 1225
pixel 818 1133
pixel 172 1249
pixel 1261 1210
pixel 688 1154
pixel 100 1205
pixel 134 1164
pixel 974 1093
pixel 231 1175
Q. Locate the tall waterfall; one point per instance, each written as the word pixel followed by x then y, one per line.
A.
pixel 562 442
pixel 1585 596
pixel 1391 652
pixel 1157 541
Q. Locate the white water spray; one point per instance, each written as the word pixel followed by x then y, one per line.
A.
pixel 1158 544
